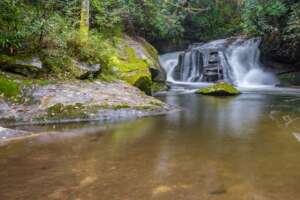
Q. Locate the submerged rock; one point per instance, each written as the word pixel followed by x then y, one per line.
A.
pixel 27 66
pixel 219 89
pixel 6 133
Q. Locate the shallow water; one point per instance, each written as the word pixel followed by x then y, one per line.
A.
pixel 233 148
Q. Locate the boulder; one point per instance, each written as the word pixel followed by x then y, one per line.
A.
pixel 136 62
pixel 27 66
pixel 219 89
pixel 86 70
pixel 149 53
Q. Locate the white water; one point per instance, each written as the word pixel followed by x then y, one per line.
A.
pixel 241 60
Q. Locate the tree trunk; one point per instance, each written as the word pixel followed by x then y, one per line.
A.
pixel 84 21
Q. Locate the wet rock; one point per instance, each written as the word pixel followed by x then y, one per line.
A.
pixel 219 89
pixel 27 66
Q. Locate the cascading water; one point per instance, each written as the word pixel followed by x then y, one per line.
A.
pixel 236 62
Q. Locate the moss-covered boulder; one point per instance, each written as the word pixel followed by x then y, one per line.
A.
pixel 135 62
pixel 26 65
pixel 219 89
pixel 157 72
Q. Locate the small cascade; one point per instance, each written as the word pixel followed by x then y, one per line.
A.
pixel 234 61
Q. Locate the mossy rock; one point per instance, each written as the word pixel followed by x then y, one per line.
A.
pixel 30 66
pixel 158 87
pixel 144 83
pixel 219 89
pixel 128 66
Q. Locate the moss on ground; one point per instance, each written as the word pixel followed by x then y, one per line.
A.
pixel 9 88
pixel 60 111
pixel 80 111
pixel 219 89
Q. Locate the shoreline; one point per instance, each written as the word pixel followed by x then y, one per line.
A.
pixel 12 133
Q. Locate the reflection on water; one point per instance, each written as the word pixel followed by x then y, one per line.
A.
pixel 231 148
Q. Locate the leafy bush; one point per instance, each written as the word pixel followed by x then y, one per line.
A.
pixel 292 30
pixel 262 16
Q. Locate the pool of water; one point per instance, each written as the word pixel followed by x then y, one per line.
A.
pixel 233 148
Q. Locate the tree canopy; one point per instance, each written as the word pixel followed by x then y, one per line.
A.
pixel 34 24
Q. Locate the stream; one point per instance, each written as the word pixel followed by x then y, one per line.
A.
pixel 215 148
pixel 244 147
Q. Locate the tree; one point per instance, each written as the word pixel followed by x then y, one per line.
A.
pixel 84 21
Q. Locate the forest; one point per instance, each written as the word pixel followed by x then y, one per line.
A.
pixel 31 26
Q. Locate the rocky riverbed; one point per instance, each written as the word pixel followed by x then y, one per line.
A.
pixel 77 101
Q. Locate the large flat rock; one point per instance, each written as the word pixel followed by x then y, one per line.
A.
pixel 81 101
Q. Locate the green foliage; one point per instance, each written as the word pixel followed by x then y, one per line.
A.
pixel 292 30
pixel 221 19
pixel 105 15
pixel 12 20
pixel 97 49
pixel 262 16
pixel 52 27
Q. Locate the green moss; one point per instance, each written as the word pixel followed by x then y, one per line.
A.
pixel 144 83
pixel 77 111
pixel 128 62
pixel 9 88
pixel 150 49
pixel 158 87
pixel 156 103
pixel 219 89
pixel 40 82
pixel 120 106
pixel 60 111
pixel 153 60
pixel 132 69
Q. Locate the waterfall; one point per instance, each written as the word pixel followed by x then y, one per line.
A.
pixel 235 61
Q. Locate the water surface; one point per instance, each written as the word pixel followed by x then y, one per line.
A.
pixel 232 148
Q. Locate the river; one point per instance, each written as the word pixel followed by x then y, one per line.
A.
pixel 233 148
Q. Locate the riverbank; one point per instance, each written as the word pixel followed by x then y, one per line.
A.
pixel 77 101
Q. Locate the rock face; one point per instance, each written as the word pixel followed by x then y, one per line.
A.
pixel 137 63
pixel 81 101
pixel 27 66
pixel 219 89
